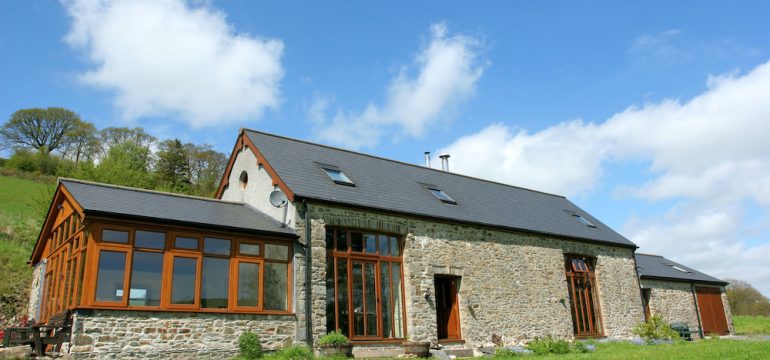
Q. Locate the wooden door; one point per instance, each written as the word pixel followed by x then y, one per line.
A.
pixel 581 285
pixel 447 308
pixel 712 312
pixel 646 303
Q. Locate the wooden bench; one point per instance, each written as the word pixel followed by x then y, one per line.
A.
pixel 55 332
pixel 15 336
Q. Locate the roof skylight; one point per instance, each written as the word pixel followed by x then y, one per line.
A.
pixel 338 177
pixel 441 195
pixel 584 221
pixel 680 269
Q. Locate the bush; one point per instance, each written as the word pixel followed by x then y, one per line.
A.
pixel 250 346
pixel 333 338
pixel 295 352
pixel 37 162
pixel 655 329
pixel 549 345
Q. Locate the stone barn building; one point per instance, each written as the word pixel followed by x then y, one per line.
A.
pixel 682 294
pixel 304 239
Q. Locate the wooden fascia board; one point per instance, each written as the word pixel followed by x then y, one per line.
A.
pixel 60 194
pixel 243 140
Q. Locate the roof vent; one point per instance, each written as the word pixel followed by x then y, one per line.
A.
pixel 444 162
pixel 427 159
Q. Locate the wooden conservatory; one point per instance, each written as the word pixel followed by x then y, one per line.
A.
pixel 106 247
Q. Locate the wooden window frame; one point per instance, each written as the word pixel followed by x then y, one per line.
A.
pixel 167 287
pixel 234 270
pixel 350 256
pixel 593 312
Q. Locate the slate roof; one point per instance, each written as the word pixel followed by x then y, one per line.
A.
pixel 110 200
pixel 401 187
pixel 656 266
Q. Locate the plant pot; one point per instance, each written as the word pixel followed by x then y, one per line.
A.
pixel 345 350
pixel 417 348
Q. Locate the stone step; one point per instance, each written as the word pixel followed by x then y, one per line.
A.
pixel 460 353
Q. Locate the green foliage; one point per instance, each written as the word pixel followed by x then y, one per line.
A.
pixel 549 345
pixel 295 352
pixel 655 329
pixel 250 345
pixel 173 167
pixel 744 299
pixel 751 325
pixel 44 130
pixel 34 161
pixel 333 338
pixel 504 353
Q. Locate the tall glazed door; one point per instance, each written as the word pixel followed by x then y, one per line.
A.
pixel 581 284
pixel 447 308
pixel 365 304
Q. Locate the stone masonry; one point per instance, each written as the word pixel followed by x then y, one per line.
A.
pixel 513 284
pixel 106 334
pixel 673 301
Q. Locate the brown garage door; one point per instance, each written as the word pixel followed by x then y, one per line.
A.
pixel 712 313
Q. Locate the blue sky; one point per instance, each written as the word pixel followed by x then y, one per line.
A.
pixel 651 115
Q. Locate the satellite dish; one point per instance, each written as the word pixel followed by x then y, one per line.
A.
pixel 278 198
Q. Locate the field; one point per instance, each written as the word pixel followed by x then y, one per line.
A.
pixel 750 325
pixel 707 349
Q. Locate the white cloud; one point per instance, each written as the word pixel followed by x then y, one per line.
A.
pixel 446 75
pixel 169 57
pixel 711 153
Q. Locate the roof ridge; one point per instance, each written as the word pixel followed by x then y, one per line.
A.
pixel 129 188
pixel 400 162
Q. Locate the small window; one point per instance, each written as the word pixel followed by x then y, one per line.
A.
pixel 579 265
pixel 115 236
pixel 216 246
pixel 584 221
pixel 244 180
pixel 276 252
pixel 441 195
pixel 339 177
pixel 150 239
pixel 248 249
pixel 182 242
pixel 680 269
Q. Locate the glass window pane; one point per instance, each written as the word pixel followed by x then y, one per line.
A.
pixel 343 309
pixel 276 252
pixel 331 316
pixel 356 242
pixel 183 280
pixel 276 286
pixel 384 246
pixel 182 242
pixel 371 243
pixel 248 249
pixel 395 249
pixel 398 304
pixel 387 311
pixel 371 299
pixel 115 236
pixel 146 274
pixel 342 240
pixel 109 279
pixel 214 282
pixel 248 284
pixel 358 299
pixel 216 246
pixel 329 238
pixel 150 239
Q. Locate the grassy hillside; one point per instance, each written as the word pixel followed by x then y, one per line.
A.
pixel 23 202
pixel 748 325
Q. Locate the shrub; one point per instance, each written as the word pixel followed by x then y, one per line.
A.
pixel 549 345
pixel 333 338
pixel 250 346
pixel 505 352
pixel 655 329
pixel 295 352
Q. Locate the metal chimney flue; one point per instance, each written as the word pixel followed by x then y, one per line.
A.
pixel 427 159
pixel 444 162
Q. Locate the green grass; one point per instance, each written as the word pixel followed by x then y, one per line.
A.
pixel 706 349
pixel 750 325
pixel 21 197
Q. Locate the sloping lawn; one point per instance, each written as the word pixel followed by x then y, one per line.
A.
pixel 695 350
pixel 751 325
pixel 23 198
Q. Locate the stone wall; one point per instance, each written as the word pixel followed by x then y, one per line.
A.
pixel 173 335
pixel 728 313
pixel 512 285
pixel 673 301
pixel 36 290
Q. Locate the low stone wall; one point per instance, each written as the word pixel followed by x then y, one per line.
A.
pixel 673 301
pixel 106 334
pixel 512 284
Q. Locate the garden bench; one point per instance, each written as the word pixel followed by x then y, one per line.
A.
pixel 683 330
pixel 39 336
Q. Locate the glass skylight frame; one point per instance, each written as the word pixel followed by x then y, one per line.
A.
pixel 584 221
pixel 441 195
pixel 337 176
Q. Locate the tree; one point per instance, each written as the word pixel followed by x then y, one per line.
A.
pixel 82 143
pixel 173 167
pixel 127 164
pixel 206 168
pixel 744 299
pixel 45 130
pixel 115 136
